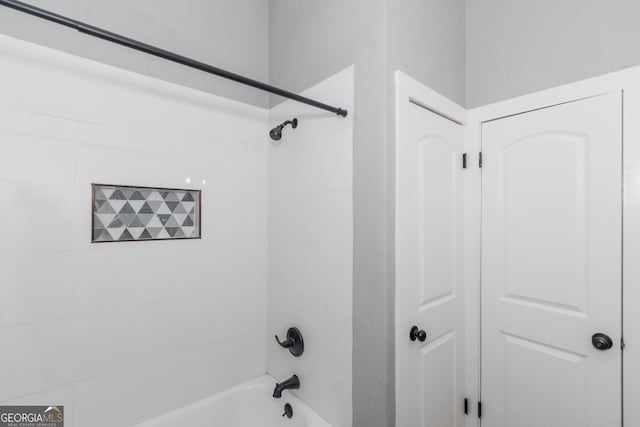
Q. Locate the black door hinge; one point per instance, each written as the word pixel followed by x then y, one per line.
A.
pixel 466 406
pixel 622 344
pixel 479 409
pixel 464 160
pixel 480 159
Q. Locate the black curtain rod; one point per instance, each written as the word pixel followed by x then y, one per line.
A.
pixel 161 53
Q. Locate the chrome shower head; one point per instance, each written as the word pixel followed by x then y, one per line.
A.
pixel 276 132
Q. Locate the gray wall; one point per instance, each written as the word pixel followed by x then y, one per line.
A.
pixel 519 46
pixel 426 40
pixel 309 41
pixel 230 34
pixel 312 40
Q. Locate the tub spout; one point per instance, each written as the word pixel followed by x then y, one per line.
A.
pixel 292 383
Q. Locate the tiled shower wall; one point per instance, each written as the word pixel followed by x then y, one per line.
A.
pixel 310 247
pixel 122 332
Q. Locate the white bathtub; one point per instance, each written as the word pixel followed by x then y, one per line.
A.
pixel 247 405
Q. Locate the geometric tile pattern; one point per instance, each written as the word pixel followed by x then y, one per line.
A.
pixel 123 213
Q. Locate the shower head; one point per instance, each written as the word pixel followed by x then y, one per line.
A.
pixel 276 132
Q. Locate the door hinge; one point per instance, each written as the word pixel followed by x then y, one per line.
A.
pixel 622 344
pixel 466 406
pixel 479 409
pixel 480 159
pixel 464 160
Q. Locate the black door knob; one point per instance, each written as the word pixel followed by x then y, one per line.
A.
pixel 601 341
pixel 417 334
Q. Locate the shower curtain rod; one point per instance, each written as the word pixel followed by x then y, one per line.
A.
pixel 161 53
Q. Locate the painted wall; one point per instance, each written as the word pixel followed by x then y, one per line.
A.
pixel 142 327
pixel 311 248
pixel 517 47
pixel 310 41
pixel 226 33
pixel 426 40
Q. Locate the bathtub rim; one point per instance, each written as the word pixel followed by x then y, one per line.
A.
pixel 264 382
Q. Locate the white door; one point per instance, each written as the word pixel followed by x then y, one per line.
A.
pixel 429 375
pixel 551 266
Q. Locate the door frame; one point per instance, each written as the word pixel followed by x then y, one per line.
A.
pixel 628 82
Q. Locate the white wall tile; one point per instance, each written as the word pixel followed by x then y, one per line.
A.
pixel 242 355
pixel 20 367
pixel 36 159
pixel 310 248
pixel 41 216
pixel 297 216
pixel 337 219
pixel 144 327
pixel 163 383
pixel 36 287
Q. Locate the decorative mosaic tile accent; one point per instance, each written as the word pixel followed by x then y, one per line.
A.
pixel 122 213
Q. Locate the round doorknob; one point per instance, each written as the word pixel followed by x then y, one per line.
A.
pixel 601 341
pixel 417 334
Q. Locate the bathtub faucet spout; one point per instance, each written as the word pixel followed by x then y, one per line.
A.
pixel 292 383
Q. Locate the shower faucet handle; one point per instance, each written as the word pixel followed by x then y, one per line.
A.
pixel 294 342
pixel 284 344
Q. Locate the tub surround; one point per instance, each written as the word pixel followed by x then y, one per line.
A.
pixel 148 327
pixel 310 247
pixel 144 327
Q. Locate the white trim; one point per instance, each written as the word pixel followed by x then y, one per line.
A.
pixel 472 239
pixel 630 255
pixel 409 89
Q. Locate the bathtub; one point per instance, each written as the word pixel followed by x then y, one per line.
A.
pixel 247 405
